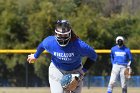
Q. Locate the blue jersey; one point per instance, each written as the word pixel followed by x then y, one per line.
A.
pixel 120 55
pixel 69 57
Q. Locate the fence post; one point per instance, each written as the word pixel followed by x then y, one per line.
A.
pixel 26 74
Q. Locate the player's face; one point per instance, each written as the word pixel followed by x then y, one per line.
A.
pixel 120 42
pixel 62 36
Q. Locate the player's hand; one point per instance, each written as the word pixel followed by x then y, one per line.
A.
pixel 128 72
pixel 31 58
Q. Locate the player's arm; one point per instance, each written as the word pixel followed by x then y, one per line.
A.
pixel 128 71
pixel 32 57
pixel 130 58
pixel 90 53
pixel 112 56
pixel 87 65
pixel 39 50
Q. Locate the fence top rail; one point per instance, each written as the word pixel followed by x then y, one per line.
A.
pixel 26 51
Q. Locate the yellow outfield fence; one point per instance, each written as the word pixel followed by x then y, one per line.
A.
pixel 22 51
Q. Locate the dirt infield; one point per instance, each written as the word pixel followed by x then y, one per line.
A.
pixel 103 90
pixel 46 90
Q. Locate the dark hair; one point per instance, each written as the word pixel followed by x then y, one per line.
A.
pixel 73 36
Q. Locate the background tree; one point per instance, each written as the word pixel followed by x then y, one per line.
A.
pixel 24 24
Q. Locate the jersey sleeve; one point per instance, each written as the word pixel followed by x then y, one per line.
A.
pixel 86 50
pixel 112 56
pixel 41 47
pixel 129 55
pixel 39 50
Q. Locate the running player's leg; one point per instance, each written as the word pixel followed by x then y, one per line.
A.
pixel 123 80
pixel 54 79
pixel 113 78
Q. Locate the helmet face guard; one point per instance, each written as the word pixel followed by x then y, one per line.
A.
pixel 120 42
pixel 63 32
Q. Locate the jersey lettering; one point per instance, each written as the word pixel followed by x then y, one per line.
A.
pixel 120 53
pixel 64 56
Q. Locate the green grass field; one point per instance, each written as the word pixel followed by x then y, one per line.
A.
pixel 46 90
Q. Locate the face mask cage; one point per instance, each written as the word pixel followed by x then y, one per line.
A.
pixel 63 32
pixel 63 38
pixel 120 42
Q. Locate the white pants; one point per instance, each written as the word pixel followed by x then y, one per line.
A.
pixel 117 72
pixel 55 76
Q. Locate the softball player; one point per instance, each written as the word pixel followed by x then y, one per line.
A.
pixel 67 51
pixel 121 58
